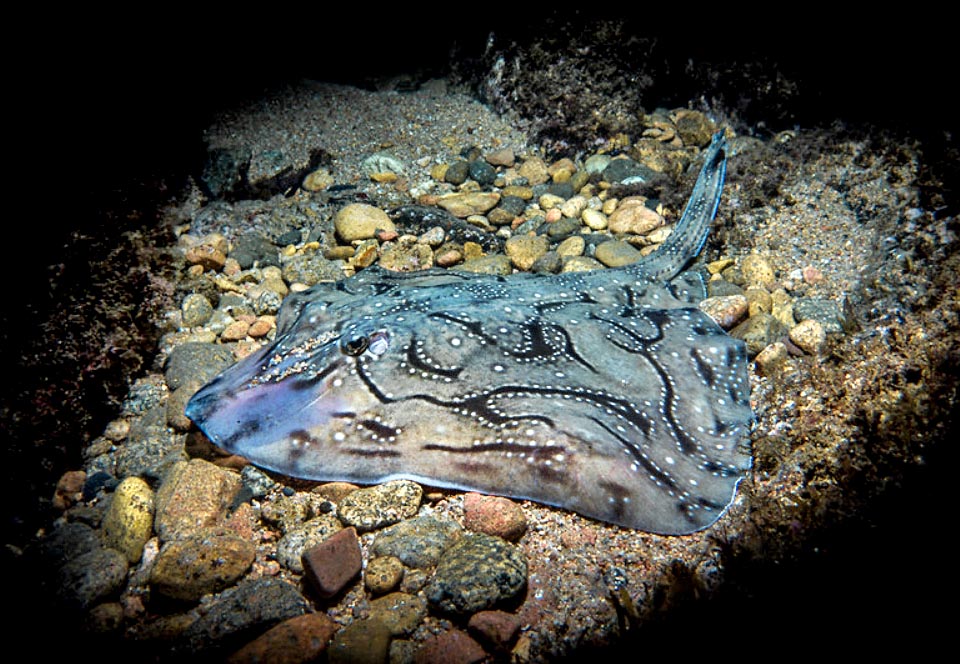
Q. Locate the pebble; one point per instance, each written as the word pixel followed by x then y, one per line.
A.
pixel 433 236
pixel 809 336
pixel 534 171
pixel 333 563
pixel 196 363
pixel 572 246
pixel 524 250
pixel 759 300
pixel 594 219
pixel 252 607
pixel 417 542
pixel 482 173
pixel 151 447
pixel 196 310
pixel 573 207
pixel 757 271
pixel 360 642
pixel 517 191
pixel 827 312
pixel 399 612
pixel 476 573
pixel 503 157
pixel 69 489
pixel 407 255
pixel 451 647
pixel 382 505
pixel 128 522
pixel 90 578
pixel 563 227
pixel 498 629
pixel 624 169
pixel 581 264
pixel 254 249
pixel 771 358
pixel 298 539
pixel 549 263
pixel 634 217
pixel 494 515
pixel 726 310
pixel 694 128
pixel 318 180
pixel 359 221
pixel 617 253
pixel 383 574
pixel 595 164
pixel 261 327
pixel 464 205
pixel 294 641
pixel 207 257
pixel 457 173
pixel 758 332
pixel 201 563
pixel 495 264
pixel 381 162
pixel 235 331
pixel 193 495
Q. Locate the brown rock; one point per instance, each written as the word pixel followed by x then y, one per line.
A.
pixel 192 495
pixel 300 639
pixel 503 157
pixel 68 488
pixel 207 257
pixel 205 562
pixel 453 647
pixel 499 629
pixel 494 515
pixel 534 170
pixel 333 563
pixel 383 574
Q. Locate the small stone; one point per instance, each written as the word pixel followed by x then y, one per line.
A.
pixel 594 219
pixel 128 522
pixel 476 573
pixel 496 628
pixel 359 221
pixel 298 539
pixel 482 173
pixel 494 515
pixel 726 310
pixel 549 263
pixel 205 562
pixel 581 264
pixel 294 641
pixel 193 495
pixel 572 246
pixel 399 612
pixel 457 173
pixel 694 128
pixel 634 217
pixel 503 157
pixel 771 358
pixel 626 170
pixel 69 488
pixel 196 362
pixel 418 542
pixel 383 574
pixel 524 250
pixel 523 193
pixel 464 205
pixel 759 301
pixel 617 253
pixel 235 331
pixel 757 271
pixel 90 578
pixel 381 162
pixel 534 170
pixel 563 228
pixel 382 505
pixel 407 255
pixel 332 564
pixel 360 642
pixel 573 207
pixel 812 275
pixel 450 647
pixel 495 264
pixel 809 336
pixel 196 310
pixel 207 257
pixel 758 332
pixel 318 180
pixel 261 327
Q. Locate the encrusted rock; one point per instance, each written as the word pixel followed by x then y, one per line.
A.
pixel 383 574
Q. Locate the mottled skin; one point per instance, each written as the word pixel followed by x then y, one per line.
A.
pixel 607 393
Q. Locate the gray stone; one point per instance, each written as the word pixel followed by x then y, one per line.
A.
pixel 382 505
pixel 417 542
pixel 91 578
pixel 476 573
pixel 196 362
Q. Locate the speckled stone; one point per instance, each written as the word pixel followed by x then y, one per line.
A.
pixel 246 611
pixel 534 170
pixel 193 495
pixel 771 359
pixel 90 578
pixel 451 647
pixel 827 312
pixel 205 562
pixel 726 310
pixel 407 255
pixel 298 539
pixel 333 563
pixel 758 332
pixel 482 173
pixel 128 522
pixel 294 641
pixel 809 336
pixel 617 253
pixel 400 612
pixel 196 362
pixel 417 542
pixel 477 573
pixel 757 271
pixel 382 505
pixel 359 221
pixel 383 574
pixel 572 246
pixel 195 310
pixel 494 515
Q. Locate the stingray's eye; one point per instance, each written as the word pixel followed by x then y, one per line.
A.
pixel 354 345
pixel 379 342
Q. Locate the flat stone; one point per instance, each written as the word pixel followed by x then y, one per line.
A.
pixel 464 205
pixel 193 495
pixel 581 264
pixel 534 170
pixel 493 264
pixel 400 612
pixel 294 641
pixel 332 564
pixel 204 562
pixel 90 578
pixel 382 505
pixel 757 271
pixel 128 522
pixel 758 332
pixel 617 253
pixel 196 362
pixel 360 642
pixel 417 542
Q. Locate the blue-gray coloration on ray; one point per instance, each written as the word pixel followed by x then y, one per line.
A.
pixel 607 393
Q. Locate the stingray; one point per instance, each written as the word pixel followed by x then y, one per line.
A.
pixel 607 393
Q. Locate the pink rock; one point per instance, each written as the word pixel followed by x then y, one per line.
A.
pixel 494 515
pixel 498 628
pixel 453 647
pixel 333 563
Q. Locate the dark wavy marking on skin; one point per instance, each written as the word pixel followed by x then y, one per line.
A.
pixel 607 393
